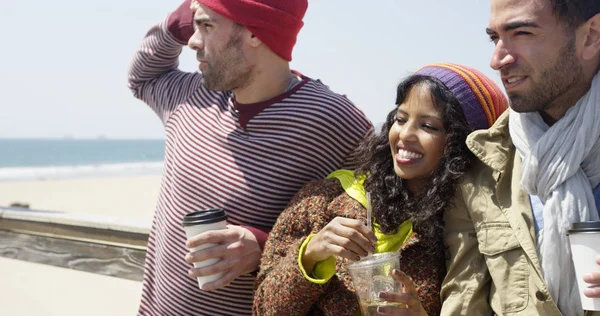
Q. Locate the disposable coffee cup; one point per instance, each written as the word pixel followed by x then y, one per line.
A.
pixel 198 222
pixel 585 247
pixel 371 275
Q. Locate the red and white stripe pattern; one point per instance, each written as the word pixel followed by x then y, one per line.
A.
pixel 211 161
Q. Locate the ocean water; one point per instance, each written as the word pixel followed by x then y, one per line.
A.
pixel 37 159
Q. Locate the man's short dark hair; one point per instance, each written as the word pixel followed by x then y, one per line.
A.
pixel 575 12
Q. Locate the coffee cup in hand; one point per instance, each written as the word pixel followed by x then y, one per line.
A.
pixel 198 222
pixel 585 247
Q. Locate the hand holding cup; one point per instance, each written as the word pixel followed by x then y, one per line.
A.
pixel 407 298
pixel 200 223
pixel 585 251
pixel 593 279
pixel 233 251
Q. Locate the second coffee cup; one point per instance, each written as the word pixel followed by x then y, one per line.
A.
pixel 585 247
pixel 198 222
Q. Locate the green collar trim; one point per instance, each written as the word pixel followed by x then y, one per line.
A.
pixel 355 189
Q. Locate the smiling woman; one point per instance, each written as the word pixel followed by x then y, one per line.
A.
pixel 418 136
pixel 409 171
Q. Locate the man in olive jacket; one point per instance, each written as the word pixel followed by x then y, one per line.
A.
pixel 537 169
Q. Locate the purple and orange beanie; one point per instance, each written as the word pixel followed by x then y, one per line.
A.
pixel 481 99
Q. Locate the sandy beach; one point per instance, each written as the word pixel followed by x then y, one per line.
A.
pixel 36 289
pixel 128 197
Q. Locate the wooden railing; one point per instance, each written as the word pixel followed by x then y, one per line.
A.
pixel 98 244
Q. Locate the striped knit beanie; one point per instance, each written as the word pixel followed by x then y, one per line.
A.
pixel 275 22
pixel 481 99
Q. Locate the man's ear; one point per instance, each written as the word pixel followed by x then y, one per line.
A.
pixel 591 33
pixel 254 41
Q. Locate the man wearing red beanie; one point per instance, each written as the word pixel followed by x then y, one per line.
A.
pixel 243 134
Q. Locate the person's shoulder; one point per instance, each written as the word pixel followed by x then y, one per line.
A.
pixel 319 92
pixel 493 146
pixel 314 196
pixel 320 88
pixel 495 133
pixel 472 175
pixel 322 187
pixel 330 192
pixel 317 98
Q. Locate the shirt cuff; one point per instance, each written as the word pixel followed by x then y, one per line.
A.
pixel 180 23
pixel 261 235
pixel 323 270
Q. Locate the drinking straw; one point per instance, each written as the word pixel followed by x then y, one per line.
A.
pixel 369 210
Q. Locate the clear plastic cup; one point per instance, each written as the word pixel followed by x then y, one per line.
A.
pixel 371 275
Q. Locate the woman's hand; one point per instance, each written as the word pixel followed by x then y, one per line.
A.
pixel 407 297
pixel 343 237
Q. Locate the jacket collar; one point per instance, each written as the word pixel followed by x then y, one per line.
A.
pixel 493 146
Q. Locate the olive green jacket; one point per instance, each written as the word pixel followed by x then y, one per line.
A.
pixel 494 266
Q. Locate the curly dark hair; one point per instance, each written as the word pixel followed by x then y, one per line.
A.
pixel 390 198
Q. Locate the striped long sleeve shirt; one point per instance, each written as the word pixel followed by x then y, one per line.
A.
pixel 249 159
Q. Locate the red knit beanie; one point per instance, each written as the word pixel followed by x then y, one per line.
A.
pixel 275 22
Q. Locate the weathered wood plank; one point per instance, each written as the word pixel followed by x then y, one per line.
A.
pixel 84 227
pixel 95 235
pixel 121 262
pixel 75 219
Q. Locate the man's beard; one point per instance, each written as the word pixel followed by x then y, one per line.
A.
pixel 228 70
pixel 552 82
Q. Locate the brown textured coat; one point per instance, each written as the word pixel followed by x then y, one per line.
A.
pixel 281 289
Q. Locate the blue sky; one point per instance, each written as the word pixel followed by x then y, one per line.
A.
pixel 64 62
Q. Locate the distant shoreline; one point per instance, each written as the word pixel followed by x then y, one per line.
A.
pixel 68 138
pixel 33 159
pixel 84 171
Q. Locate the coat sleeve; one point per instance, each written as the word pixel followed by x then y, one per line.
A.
pixel 281 288
pixel 466 288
